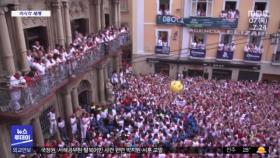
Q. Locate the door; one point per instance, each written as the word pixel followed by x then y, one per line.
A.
pixel 162 68
pixel 80 25
pixel 107 20
pixel 248 76
pixel 219 74
pixel 36 34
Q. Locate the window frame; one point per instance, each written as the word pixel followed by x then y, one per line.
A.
pixel 168 35
pixel 254 4
pixel 222 34
pixel 207 2
pixel 261 41
pixel 204 38
pixel 237 4
pixel 170 6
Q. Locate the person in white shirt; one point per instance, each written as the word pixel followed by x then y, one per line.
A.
pixel 39 66
pixel 16 83
pixel 221 47
pixel 85 122
pixel 53 123
pixel 74 127
pixel 159 43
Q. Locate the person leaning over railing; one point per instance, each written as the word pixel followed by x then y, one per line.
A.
pixel 17 82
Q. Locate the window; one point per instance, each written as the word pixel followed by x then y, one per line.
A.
pixel 230 5
pixel 164 7
pixel 226 43
pixel 255 40
pixel 162 38
pixel 230 11
pixel 201 7
pixel 198 41
pixel 254 45
pixel 124 5
pixel 226 38
pixel 260 6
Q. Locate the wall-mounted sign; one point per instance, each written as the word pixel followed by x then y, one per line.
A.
pixel 198 22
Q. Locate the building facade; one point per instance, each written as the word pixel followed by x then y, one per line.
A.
pixel 217 39
pixel 67 88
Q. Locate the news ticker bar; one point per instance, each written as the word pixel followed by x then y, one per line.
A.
pixel 183 150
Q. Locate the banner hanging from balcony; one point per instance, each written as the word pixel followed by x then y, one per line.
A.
pixel 198 22
pixel 224 55
pixel 250 56
pixel 197 53
pixel 162 50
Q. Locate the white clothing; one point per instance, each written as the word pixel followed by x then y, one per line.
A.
pixel 74 127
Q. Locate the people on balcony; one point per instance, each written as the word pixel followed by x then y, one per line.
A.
pixel 229 47
pixel 198 45
pixel 253 48
pixel 163 12
pixel 42 60
pixel 229 14
pixel 201 10
pixel 17 82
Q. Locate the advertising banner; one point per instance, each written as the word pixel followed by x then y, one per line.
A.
pixel 250 56
pixel 225 55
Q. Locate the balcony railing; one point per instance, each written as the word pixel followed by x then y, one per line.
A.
pixel 197 53
pixel 252 57
pixel 224 55
pixel 162 50
pixel 276 59
pixel 55 77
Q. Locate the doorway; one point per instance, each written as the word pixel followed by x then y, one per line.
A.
pixel 162 68
pixel 219 74
pixel 84 100
pixel 80 25
pixel 107 20
pixel 36 34
pixel 195 73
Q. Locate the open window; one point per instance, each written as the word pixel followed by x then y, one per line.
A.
pixel 162 38
pixel 261 6
pixel 254 45
pixel 255 40
pixel 226 43
pixel 201 7
pixel 230 5
pixel 164 7
pixel 198 41
pixel 230 10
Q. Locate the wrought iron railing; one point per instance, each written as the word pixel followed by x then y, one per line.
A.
pixel 54 78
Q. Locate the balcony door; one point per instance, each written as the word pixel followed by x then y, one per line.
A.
pixel 36 34
pixel 80 25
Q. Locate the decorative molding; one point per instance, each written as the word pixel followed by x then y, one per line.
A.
pixel 34 21
pixel 78 8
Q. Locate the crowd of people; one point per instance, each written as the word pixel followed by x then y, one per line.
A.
pixel 253 48
pixel 230 47
pixel 42 60
pixel 146 113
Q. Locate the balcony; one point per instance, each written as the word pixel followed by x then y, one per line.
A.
pixel 165 50
pixel 196 53
pixel 276 59
pixel 198 22
pixel 58 76
pixel 223 55
pixel 252 57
